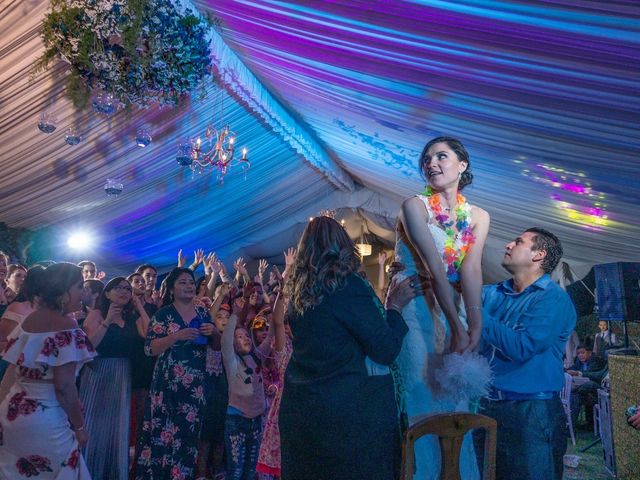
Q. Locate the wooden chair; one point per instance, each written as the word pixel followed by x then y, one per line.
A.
pixel 450 429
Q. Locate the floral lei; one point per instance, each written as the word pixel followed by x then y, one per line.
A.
pixel 452 255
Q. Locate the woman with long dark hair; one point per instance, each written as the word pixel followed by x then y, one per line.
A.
pixel 41 418
pixel 338 416
pixel 105 385
pixel 177 335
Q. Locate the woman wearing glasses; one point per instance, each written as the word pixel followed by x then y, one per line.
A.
pixel 105 388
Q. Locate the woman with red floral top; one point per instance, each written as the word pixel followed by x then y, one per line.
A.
pixel 41 422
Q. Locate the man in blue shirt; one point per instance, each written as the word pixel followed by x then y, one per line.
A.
pixel 526 323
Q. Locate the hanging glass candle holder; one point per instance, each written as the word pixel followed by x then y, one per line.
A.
pixel 184 156
pixel 72 137
pixel 48 122
pixel 113 188
pixel 143 137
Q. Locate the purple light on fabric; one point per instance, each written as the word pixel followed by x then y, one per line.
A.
pixel 572 187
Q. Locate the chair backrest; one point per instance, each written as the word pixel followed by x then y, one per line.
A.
pixel 450 429
pixel 565 393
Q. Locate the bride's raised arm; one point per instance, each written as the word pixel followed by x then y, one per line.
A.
pixel 471 276
pixel 414 221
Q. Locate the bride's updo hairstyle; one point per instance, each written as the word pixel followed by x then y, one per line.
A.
pixel 456 145
pixel 325 257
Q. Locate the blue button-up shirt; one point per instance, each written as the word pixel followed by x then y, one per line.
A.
pixel 524 334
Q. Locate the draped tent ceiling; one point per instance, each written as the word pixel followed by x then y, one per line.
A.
pixel 335 101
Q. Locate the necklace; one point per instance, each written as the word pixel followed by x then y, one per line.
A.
pixel 460 238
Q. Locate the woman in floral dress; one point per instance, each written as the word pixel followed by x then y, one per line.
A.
pixel 41 422
pixel 173 419
pixel 269 456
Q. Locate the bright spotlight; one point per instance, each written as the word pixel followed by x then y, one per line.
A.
pixel 79 241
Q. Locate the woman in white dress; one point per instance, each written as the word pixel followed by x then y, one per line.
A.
pixel 441 237
pixel 41 420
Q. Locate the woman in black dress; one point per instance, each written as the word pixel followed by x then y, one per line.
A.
pixel 338 417
pixel 113 327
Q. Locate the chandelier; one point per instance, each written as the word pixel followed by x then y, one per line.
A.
pixel 215 151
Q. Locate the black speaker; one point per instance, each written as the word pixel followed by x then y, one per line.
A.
pixel 618 291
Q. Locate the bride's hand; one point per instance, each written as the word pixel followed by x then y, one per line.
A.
pixel 474 339
pixel 460 342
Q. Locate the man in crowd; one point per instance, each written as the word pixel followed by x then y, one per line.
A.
pixel 526 323
pixel 588 371
pixel 89 271
pixel 605 339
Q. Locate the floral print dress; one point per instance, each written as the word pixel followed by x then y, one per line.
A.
pixel 36 439
pixel 269 457
pixel 174 414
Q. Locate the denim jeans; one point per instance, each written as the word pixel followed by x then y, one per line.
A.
pixel 532 438
pixel 242 438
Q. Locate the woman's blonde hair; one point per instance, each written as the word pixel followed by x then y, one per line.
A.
pixel 325 257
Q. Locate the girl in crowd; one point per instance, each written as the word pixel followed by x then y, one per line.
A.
pixel 338 416
pixel 143 371
pixel 150 275
pixel 91 290
pixel 16 275
pixel 243 424
pixel 216 392
pixel 441 236
pixel 41 418
pixel 171 428
pixel 269 455
pixel 105 384
pixel 18 311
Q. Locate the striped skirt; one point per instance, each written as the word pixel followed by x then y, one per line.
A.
pixel 105 393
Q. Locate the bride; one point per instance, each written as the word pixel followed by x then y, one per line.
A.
pixel 441 237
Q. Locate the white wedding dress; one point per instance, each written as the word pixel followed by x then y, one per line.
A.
pixel 434 381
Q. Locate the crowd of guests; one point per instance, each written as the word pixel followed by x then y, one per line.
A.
pixel 187 374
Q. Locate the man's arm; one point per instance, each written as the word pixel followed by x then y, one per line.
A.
pixel 539 327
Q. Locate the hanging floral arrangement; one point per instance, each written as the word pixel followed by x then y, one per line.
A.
pixel 142 52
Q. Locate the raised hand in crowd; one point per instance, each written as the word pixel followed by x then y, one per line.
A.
pixel 198 258
pixel 241 269
pixel 209 264
pixel 382 258
pixel 262 269
pixel 182 259
pixel 289 260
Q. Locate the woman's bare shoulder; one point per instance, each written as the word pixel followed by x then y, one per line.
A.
pixel 43 321
pixel 478 214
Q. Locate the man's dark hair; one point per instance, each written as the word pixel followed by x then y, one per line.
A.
pixel 585 346
pixel 546 241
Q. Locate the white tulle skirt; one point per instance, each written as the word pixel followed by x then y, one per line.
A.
pixel 437 382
